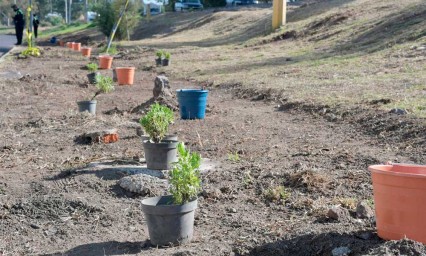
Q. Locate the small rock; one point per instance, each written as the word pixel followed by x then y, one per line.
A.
pixel 365 235
pixel 214 194
pixel 421 48
pixel 51 231
pixel 338 213
pixel 34 226
pixel 398 111
pixel 364 211
pixel 143 184
pixel 341 251
pixel 233 210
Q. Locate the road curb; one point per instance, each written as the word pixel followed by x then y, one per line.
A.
pixel 2 58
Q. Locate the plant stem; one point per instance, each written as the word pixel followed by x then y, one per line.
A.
pixel 96 94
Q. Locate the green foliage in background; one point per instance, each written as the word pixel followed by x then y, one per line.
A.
pixel 108 16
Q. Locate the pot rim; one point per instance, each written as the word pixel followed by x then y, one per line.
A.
pixel 86 101
pixel 378 169
pixel 124 68
pixel 167 209
pixel 192 90
pixel 105 57
pixel 163 142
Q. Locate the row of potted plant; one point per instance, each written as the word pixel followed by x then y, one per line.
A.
pixel 163 58
pixel 170 218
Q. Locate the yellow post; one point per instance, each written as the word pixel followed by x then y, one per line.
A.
pixel 279 13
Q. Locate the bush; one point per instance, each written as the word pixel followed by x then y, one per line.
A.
pixel 156 122
pixel 185 182
pixel 109 13
pixel 55 20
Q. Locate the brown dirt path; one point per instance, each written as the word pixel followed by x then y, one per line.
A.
pixel 48 207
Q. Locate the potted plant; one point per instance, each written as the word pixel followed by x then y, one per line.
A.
pixel 159 55
pixel 166 59
pixel 170 218
pixel 159 153
pixel 93 75
pixel 104 85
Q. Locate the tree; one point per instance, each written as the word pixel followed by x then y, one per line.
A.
pixel 109 11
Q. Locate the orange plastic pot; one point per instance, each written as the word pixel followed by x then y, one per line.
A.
pixel 125 75
pixel 69 45
pixel 86 51
pixel 76 46
pixel 400 201
pixel 105 62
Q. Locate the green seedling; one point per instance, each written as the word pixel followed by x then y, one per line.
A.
pixel 234 157
pixel 167 55
pixel 92 67
pixel 279 193
pixel 104 85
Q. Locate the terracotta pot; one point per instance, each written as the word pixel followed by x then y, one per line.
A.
pixel 76 46
pixel 61 43
pixel 400 201
pixel 125 75
pixel 86 51
pixel 69 44
pixel 105 62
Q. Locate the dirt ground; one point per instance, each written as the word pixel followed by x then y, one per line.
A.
pixel 318 155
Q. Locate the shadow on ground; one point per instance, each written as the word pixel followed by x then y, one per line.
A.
pixel 359 243
pixel 103 248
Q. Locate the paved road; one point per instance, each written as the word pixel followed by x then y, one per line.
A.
pixel 6 43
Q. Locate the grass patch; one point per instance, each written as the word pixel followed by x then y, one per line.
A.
pixel 65 29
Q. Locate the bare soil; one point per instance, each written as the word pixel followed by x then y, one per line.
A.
pixel 318 154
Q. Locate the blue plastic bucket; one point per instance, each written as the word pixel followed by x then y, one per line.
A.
pixel 192 103
pixel 53 40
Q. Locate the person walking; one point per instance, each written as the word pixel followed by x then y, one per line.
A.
pixel 36 22
pixel 19 21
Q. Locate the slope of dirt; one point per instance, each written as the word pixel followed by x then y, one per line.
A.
pixel 333 53
pixel 49 207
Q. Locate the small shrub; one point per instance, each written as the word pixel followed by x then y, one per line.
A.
pixel 279 193
pixel 156 122
pixel 92 67
pixel 159 54
pixel 185 182
pixel 112 49
pixel 167 55
pixel 234 157
pixel 31 51
pixel 247 179
pixel 104 85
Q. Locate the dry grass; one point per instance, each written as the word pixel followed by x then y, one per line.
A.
pixel 345 52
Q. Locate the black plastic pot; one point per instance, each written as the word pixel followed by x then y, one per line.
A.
pixel 160 156
pixel 87 105
pixel 165 62
pixel 158 61
pixel 92 77
pixel 169 223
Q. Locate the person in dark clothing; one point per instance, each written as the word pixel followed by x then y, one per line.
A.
pixel 19 21
pixel 36 22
